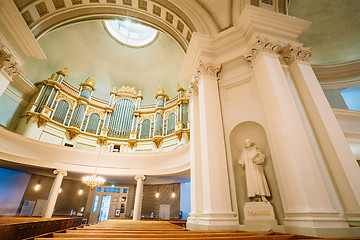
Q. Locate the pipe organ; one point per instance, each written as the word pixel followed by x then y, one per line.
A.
pixel 121 122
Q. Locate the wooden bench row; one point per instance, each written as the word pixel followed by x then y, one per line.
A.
pixel 32 229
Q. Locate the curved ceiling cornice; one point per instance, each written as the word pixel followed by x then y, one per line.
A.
pixel 44 16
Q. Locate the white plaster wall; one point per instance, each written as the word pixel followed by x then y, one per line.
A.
pixel 10 111
pixel 240 102
pixel 317 150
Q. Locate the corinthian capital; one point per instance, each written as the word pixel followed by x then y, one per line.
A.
pixel 291 53
pixel 262 44
pixel 208 69
pixel 8 64
pixel 193 87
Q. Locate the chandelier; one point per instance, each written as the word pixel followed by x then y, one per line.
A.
pixel 94 181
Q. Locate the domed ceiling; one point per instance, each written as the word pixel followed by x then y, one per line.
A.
pixel 334 33
pixel 87 49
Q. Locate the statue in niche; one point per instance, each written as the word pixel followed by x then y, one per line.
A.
pixel 252 159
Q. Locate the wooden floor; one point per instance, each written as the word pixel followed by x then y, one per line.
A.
pixel 160 230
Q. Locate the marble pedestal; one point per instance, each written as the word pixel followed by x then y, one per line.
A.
pixel 259 216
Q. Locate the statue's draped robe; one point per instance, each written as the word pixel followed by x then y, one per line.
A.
pixel 256 182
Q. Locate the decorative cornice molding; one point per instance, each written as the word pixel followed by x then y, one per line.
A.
pixel 262 44
pixel 338 75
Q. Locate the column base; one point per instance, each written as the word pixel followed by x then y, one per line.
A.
pixel 315 220
pixel 324 232
pixel 212 221
pixel 262 226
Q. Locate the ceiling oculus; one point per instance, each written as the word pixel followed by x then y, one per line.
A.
pixel 131 33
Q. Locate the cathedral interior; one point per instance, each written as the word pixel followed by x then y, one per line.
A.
pixel 229 114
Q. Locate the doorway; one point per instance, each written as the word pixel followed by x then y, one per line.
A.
pixel 104 208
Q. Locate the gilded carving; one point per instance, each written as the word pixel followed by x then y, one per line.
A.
pixel 28 117
pixel 126 91
pixel 167 113
pixel 291 53
pixel 66 98
pixel 89 83
pixel 157 140
pixel 132 143
pixel 91 110
pixel 72 132
pixel 150 117
pixel 42 120
pixel 102 140
pixel 261 45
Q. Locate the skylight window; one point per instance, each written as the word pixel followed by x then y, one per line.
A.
pixel 130 33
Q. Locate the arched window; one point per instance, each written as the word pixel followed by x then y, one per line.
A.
pixel 145 129
pixel 171 124
pixel 158 125
pixel 93 123
pixel 121 119
pixel 61 110
pixel 78 116
pixel 85 93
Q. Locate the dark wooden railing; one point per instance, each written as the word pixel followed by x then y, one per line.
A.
pixel 27 230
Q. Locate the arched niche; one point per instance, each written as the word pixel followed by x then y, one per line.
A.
pixel 256 133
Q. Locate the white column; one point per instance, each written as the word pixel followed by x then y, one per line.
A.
pixel 195 156
pixel 305 199
pixel 138 197
pixel 50 205
pixel 5 80
pixel 338 154
pixel 217 208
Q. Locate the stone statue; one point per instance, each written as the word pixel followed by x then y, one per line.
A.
pixel 252 159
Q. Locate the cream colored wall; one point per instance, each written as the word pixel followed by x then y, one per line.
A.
pixel 243 117
pixel 316 148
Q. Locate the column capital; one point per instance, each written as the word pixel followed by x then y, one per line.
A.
pixel 63 172
pixel 207 68
pixel 8 63
pixel 142 177
pixel 291 53
pixel 193 87
pixel 262 44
